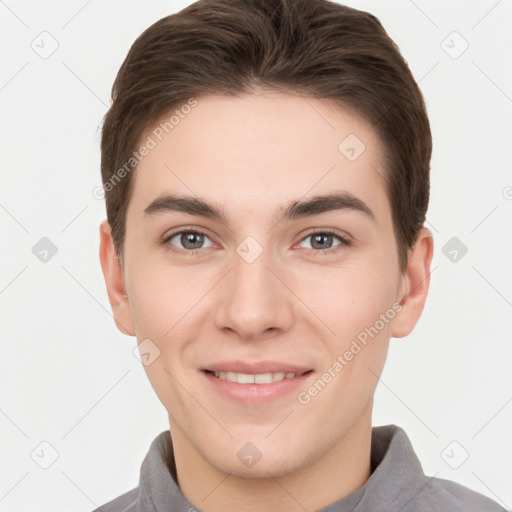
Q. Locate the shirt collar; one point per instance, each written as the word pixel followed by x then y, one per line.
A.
pixel 397 476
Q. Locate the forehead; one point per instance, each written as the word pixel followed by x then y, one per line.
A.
pixel 248 152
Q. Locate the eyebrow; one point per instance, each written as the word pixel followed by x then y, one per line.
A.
pixel 295 210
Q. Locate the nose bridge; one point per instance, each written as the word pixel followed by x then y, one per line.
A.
pixel 253 299
pixel 252 277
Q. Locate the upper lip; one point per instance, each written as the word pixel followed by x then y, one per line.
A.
pixel 256 367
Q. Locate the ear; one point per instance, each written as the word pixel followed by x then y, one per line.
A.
pixel 114 279
pixel 415 283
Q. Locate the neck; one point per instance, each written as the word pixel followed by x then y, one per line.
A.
pixel 342 470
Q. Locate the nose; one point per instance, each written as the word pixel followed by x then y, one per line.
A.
pixel 254 301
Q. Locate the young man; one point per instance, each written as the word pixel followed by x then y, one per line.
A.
pixel 266 169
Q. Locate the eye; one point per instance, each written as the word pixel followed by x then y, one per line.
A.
pixel 187 241
pixel 190 242
pixel 323 241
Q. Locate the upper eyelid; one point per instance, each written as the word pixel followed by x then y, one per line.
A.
pixel 185 229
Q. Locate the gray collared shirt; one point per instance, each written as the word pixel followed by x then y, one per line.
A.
pixel 397 483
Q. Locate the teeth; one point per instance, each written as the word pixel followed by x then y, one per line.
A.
pixel 260 378
pixel 263 378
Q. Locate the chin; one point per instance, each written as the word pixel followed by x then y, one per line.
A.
pixel 264 468
pixel 261 458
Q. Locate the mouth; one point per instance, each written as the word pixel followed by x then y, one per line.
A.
pixel 256 385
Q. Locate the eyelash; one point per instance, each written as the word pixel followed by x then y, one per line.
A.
pixel 195 252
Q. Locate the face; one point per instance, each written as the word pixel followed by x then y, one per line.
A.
pixel 267 310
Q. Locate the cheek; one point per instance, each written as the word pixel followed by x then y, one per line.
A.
pixel 351 298
pixel 359 311
pixel 162 303
pixel 162 299
pixel 358 306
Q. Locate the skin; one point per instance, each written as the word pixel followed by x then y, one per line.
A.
pixel 252 155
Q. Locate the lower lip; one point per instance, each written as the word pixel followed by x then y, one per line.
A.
pixel 256 394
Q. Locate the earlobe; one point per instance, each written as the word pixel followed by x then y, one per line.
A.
pixel 114 280
pixel 414 290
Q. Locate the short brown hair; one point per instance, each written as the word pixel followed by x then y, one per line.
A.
pixel 315 48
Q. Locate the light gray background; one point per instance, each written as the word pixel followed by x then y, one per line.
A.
pixel 70 379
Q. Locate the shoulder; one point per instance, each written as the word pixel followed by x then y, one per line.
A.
pixel 444 495
pixel 127 502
